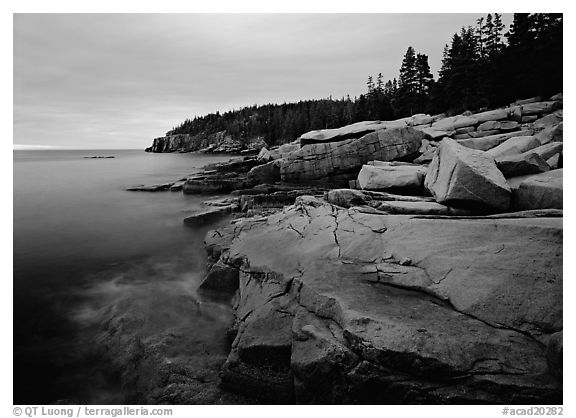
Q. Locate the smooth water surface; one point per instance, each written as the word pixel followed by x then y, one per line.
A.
pixel 84 246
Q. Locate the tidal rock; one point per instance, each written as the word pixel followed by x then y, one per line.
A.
pixel 455 122
pixel 177 186
pixel 459 175
pixel 489 142
pixel 220 277
pixel 154 188
pixel 522 164
pixel 514 145
pixel 541 191
pixel 328 312
pixel 208 215
pixel 215 184
pixel 316 162
pixel 386 176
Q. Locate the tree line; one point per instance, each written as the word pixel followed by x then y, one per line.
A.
pixel 483 66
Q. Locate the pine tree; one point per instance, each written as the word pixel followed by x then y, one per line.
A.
pixel 379 84
pixel 370 85
pixel 424 76
pixel 479 36
pixel 408 74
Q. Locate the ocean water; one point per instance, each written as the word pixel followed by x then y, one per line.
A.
pixel 97 267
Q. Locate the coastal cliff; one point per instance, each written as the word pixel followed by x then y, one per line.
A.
pixel 216 142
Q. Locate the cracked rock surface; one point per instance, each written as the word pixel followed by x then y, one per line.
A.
pixel 327 311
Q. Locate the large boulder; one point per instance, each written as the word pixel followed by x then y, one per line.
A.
pixel 265 173
pixel 339 306
pixel 522 164
pixel 389 175
pixel 454 122
pixel 514 145
pixel 320 162
pixel 355 130
pixel 541 191
pixel 459 175
pixel 489 142
pixel 553 133
pixel 506 125
pixel 539 108
pixel 548 121
pixel 492 115
pixel 547 151
pixel 435 134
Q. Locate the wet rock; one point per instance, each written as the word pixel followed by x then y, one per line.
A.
pixel 213 184
pixel 177 186
pixel 154 188
pixel 459 175
pixel 222 278
pixel 208 215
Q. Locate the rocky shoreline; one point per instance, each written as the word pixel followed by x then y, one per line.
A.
pixel 408 261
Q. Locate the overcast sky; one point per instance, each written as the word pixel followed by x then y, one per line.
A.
pixel 118 81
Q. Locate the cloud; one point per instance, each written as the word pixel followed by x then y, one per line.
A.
pixel 117 81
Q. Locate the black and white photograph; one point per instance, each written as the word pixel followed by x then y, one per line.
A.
pixel 286 209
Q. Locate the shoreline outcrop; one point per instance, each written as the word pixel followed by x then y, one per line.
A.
pixel 392 308
pixel 409 261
